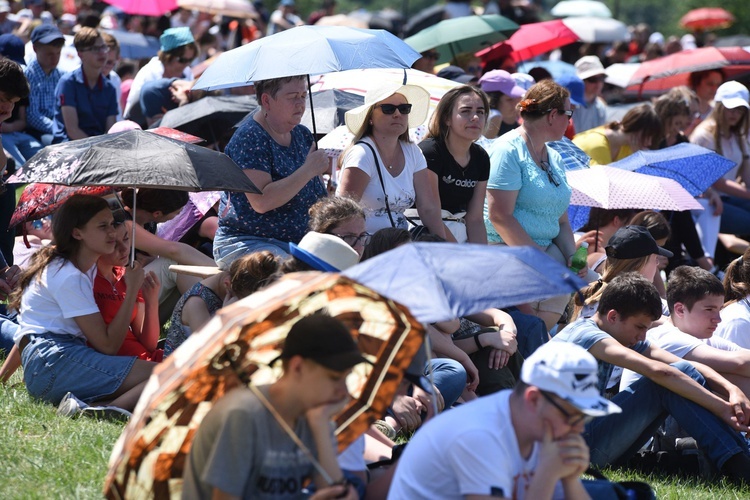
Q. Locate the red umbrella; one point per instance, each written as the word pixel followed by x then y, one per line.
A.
pixel 39 200
pixel 660 75
pixel 154 8
pixel 530 41
pixel 707 18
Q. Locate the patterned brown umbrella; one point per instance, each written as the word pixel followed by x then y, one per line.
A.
pixel 235 348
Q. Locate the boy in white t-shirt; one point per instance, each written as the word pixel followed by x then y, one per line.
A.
pixel 519 443
pixel 695 298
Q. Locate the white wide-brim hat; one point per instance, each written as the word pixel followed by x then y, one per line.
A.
pixel 324 252
pixel 418 97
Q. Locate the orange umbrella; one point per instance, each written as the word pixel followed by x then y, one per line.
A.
pixel 235 349
pixel 707 18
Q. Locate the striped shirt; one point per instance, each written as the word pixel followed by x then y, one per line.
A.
pixel 40 115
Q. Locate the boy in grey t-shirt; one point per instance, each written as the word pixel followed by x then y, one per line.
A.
pixel 241 451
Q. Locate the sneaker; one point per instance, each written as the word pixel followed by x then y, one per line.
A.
pixel 70 406
pixel 386 429
pixel 110 413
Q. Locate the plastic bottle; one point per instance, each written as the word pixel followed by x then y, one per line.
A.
pixel 578 261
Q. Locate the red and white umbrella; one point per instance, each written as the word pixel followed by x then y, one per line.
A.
pixel 530 41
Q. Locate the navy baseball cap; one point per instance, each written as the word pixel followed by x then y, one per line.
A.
pixel 12 47
pixel 46 33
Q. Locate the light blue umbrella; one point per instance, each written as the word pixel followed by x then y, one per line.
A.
pixel 307 50
pixel 556 68
pixel 694 167
pixel 442 281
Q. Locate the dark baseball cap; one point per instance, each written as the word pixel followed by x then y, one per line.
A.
pixel 12 47
pixel 322 339
pixel 456 74
pixel 633 242
pixel 46 33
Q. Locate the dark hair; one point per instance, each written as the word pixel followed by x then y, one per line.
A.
pixel 165 201
pixel 630 294
pixel 642 121
pixel 75 213
pixel 737 278
pixel 600 217
pixel 13 82
pixel 438 123
pixel 251 272
pixel 331 211
pixel 177 52
pixel 273 85
pixel 294 265
pixel 541 98
pixel 697 77
pixel 385 239
pixel 656 224
pixel 427 237
pixel 688 285
pixel 538 74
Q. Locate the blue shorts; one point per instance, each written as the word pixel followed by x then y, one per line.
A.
pixel 227 249
pixel 56 364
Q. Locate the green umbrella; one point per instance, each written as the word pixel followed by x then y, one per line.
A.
pixel 462 34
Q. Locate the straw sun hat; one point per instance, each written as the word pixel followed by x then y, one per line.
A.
pixel 418 97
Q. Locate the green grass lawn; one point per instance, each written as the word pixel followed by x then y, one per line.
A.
pixel 43 456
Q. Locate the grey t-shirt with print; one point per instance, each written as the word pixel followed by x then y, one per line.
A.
pixel 241 449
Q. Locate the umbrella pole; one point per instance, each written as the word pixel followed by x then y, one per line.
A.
pixel 596 241
pixel 312 111
pixel 132 236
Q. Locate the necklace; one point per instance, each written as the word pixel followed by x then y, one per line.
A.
pixel 532 150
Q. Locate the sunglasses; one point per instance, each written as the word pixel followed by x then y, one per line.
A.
pixel 354 239
pixel 389 109
pixel 594 79
pixel 571 420
pixel 183 60
pixel 550 174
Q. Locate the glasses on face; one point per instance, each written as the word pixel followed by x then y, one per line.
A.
pixel 571 420
pixel 354 239
pixel 550 174
pixel 183 60
pixel 566 112
pixel 389 109
pixel 97 48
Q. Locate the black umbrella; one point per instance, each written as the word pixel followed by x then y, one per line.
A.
pixel 330 106
pixel 210 116
pixel 136 159
pixel 424 19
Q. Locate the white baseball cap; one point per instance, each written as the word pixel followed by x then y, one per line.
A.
pixel 732 95
pixel 589 66
pixel 570 372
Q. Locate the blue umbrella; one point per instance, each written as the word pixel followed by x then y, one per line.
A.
pixel 574 158
pixel 441 281
pixel 135 45
pixel 695 168
pixel 307 50
pixel 556 68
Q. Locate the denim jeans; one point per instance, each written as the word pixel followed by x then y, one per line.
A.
pixel 645 405
pixel 227 249
pixel 735 219
pixel 449 377
pixel 21 146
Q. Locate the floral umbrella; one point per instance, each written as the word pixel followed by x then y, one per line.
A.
pixel 234 349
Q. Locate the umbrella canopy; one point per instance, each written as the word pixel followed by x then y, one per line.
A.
pixel 442 281
pixel 210 116
pixel 597 29
pixel 733 41
pixel 556 68
pixel 154 8
pixel 576 8
pixel 135 45
pixel 530 41
pixel 695 168
pixel 306 50
pixel 574 158
pixel 242 9
pixel 40 200
pixel 707 18
pixel 661 74
pixel 135 158
pixel 620 74
pixel 425 18
pixel 462 34
pixel 234 349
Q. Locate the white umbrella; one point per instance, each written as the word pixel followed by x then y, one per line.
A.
pixel 232 8
pixel 575 8
pixel 597 29
pixel 620 74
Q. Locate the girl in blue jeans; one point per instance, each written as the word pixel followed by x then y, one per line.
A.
pixel 64 344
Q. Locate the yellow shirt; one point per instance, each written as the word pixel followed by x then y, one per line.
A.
pixel 594 143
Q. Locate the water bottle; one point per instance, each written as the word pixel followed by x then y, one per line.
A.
pixel 578 261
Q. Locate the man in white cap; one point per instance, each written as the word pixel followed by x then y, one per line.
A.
pixel 594 111
pixel 519 443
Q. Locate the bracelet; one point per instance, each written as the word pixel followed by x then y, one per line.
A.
pixel 476 340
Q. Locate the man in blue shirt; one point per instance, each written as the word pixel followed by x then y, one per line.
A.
pixel 43 77
pixel 86 101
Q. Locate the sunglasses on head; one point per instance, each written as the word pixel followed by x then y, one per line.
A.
pixel 389 109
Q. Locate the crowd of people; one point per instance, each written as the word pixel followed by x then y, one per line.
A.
pixel 651 355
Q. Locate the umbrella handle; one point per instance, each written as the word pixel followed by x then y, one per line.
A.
pixel 133 223
pixel 312 111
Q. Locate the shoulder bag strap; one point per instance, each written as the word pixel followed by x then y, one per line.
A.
pixel 382 184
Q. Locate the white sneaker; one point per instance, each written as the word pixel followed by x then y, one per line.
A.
pixel 70 406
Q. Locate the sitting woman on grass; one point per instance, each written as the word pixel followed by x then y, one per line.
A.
pixel 65 346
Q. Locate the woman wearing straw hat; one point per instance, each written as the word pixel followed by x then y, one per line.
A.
pixel 383 169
